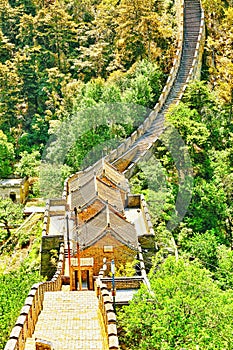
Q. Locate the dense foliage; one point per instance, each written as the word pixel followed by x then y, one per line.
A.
pixel 18 272
pixel 59 60
pixel 185 309
pixel 60 57
pixel 191 296
pixel 14 287
pixel 11 214
pixel 203 123
pixel 67 63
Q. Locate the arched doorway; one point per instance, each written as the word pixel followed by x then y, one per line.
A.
pixel 13 196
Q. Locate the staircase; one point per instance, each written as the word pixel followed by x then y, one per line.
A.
pixel 69 321
pixel 192 21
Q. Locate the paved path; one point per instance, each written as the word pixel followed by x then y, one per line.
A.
pixel 70 320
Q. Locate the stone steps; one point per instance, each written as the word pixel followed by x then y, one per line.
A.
pixel 192 17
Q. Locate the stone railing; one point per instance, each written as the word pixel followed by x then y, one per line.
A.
pixel 25 324
pixel 144 156
pixel 107 311
pixel 194 73
pixel 143 269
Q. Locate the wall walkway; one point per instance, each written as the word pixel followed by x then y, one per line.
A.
pixel 70 320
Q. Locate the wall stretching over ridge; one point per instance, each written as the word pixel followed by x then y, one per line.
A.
pixel 188 69
pixel 28 317
pixel 131 144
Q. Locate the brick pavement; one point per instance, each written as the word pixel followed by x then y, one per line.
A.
pixel 70 320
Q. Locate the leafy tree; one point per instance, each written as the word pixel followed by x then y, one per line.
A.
pixel 81 11
pixel 7 156
pixel 26 34
pixel 9 19
pixel 219 54
pixel 222 175
pixel 28 164
pixel 185 309
pixel 208 207
pixel 140 32
pixel 51 179
pixel 14 287
pixel 204 247
pixel 29 6
pixel 140 92
pixel 6 48
pixel 11 99
pixel 96 41
pixel 224 272
pixel 56 33
pixel 10 214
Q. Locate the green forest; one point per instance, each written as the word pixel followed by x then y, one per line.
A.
pixel 60 59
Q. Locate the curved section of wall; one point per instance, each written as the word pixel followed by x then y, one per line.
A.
pixel 128 143
pixel 124 147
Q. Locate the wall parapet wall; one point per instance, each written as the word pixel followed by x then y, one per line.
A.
pixel 146 214
pixel 133 282
pixel 107 311
pixel 46 219
pixel 25 324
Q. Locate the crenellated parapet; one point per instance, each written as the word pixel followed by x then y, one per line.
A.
pixel 107 311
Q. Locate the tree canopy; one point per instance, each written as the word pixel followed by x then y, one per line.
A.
pixel 185 309
pixel 54 53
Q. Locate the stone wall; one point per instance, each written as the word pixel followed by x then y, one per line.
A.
pixel 121 149
pixel 128 143
pixel 195 71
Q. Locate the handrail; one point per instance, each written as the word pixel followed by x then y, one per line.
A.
pixel 25 323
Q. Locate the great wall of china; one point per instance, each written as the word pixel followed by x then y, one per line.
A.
pixel 114 168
